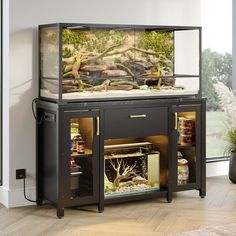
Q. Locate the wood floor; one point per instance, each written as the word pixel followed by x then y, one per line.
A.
pixel 151 217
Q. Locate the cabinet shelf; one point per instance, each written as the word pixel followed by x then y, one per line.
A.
pixel 87 153
pixel 135 195
pixel 186 146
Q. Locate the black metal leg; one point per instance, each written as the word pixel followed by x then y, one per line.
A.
pixel 202 193
pixel 100 207
pixel 169 197
pixel 39 202
pixel 60 212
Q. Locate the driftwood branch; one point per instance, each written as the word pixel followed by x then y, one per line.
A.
pixel 134 49
pixel 95 58
pixel 121 66
pixel 123 171
pixel 116 83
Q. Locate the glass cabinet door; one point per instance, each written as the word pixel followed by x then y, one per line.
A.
pixel 186 147
pixel 80 159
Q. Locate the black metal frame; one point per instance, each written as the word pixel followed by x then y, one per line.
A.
pixel 60 26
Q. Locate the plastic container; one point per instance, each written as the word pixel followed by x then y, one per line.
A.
pixel 75 171
pixel 74 130
pixel 183 171
pixel 80 146
pixel 185 122
pixel 185 130
pixel 185 140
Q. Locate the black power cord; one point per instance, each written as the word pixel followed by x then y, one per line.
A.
pixel 25 193
pixel 40 121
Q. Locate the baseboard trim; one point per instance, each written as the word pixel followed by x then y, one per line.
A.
pixel 217 168
pixel 15 197
pixel 4 196
pixel 217 159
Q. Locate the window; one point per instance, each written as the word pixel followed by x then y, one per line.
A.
pixel 216 66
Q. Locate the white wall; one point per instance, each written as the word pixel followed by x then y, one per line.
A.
pixel 5 104
pixel 25 16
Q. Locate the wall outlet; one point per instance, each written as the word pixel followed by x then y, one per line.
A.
pixel 20 173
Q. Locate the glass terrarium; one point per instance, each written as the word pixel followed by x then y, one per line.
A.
pixel 91 62
pixel 131 168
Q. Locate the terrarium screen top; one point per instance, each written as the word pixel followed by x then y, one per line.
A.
pixel 116 59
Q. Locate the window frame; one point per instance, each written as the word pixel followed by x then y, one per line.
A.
pixel 213 159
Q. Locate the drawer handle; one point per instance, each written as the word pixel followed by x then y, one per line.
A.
pixel 137 116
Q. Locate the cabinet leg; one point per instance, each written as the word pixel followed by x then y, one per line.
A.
pixel 60 212
pixel 202 193
pixel 169 197
pixel 39 202
pixel 100 207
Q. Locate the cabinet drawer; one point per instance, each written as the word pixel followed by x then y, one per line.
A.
pixel 136 122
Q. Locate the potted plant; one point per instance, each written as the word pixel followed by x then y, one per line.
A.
pixel 228 103
pixel 231 150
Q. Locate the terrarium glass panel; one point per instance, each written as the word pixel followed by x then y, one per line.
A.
pixel 186 155
pixel 190 84
pixel 117 62
pixel 131 169
pixel 81 157
pixel 49 58
pixel 187 53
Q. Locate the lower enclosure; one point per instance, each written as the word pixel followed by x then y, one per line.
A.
pixel 135 166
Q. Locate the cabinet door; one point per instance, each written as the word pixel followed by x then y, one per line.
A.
pixel 79 158
pixel 186 147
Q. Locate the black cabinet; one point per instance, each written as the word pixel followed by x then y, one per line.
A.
pixel 188 147
pixel 106 152
pixel 68 168
pixel 79 160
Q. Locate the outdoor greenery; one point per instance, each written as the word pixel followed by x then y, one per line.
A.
pixel 215 67
pixel 215 134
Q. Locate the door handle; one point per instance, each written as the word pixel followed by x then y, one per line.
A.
pixel 98 126
pixel 176 120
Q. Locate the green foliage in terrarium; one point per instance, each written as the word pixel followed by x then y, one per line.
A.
pixel 74 37
pixel 160 42
pixel 67 53
pixel 102 39
pixel 110 54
